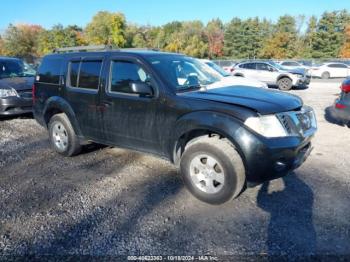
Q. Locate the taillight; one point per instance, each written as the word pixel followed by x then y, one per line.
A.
pixel 33 93
pixel 340 106
pixel 232 69
pixel 345 87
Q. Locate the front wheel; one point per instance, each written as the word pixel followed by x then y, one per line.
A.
pixel 212 170
pixel 325 75
pixel 285 84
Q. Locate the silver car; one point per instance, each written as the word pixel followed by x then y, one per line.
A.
pixel 273 74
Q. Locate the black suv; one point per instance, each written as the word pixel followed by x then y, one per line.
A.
pixel 222 139
pixel 16 81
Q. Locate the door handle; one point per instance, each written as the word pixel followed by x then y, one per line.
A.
pixel 106 104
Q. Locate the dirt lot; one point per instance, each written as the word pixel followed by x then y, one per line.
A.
pixel 116 202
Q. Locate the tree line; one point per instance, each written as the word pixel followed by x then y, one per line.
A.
pixel 289 37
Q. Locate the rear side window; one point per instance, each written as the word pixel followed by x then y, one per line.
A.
pixel 85 74
pixel 50 70
pixel 337 66
pixel 73 73
pixel 123 73
pixel 89 75
pixel 248 66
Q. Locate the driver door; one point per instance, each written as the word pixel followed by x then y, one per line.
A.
pixel 129 119
pixel 266 73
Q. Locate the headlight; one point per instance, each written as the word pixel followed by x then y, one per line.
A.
pixel 6 92
pixel 268 126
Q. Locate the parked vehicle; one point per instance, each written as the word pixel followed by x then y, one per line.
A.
pixel 221 139
pixel 292 65
pixel 15 87
pixel 230 80
pixel 341 109
pixel 273 74
pixel 228 66
pixel 330 70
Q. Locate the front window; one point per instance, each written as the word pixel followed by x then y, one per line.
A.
pixel 279 67
pixel 183 73
pixel 13 68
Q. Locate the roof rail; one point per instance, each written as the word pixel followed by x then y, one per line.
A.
pixel 83 48
pixel 142 48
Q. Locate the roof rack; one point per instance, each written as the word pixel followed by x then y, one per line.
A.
pixel 83 48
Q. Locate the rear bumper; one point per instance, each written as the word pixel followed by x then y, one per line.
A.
pixel 15 106
pixel 341 114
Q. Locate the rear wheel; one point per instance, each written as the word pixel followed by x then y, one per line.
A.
pixel 212 170
pixel 285 84
pixel 62 136
pixel 325 75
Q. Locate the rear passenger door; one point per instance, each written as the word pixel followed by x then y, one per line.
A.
pixel 82 92
pixel 129 119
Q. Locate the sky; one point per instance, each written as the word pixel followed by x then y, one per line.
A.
pixel 157 12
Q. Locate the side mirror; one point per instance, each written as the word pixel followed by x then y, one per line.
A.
pixel 140 88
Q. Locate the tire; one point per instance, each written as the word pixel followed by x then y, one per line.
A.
pixel 62 136
pixel 239 75
pixel 214 160
pixel 285 84
pixel 325 75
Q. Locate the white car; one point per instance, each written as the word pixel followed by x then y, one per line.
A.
pixel 273 74
pixel 292 65
pixel 229 80
pixel 329 70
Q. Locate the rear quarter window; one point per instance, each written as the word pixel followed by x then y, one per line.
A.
pixel 50 70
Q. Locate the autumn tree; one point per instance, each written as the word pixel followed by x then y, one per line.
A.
pixel 345 49
pixel 22 41
pixel 107 28
pixel 215 34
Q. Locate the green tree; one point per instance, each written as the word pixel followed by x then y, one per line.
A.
pixel 59 36
pixel 22 41
pixel 329 36
pixel 245 38
pixel 283 42
pixel 107 28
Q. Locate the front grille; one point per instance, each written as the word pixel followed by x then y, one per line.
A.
pixel 299 122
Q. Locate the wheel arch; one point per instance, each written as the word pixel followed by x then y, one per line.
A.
pixel 196 125
pixel 56 105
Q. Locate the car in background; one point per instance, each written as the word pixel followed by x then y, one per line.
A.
pixel 273 74
pixel 331 70
pixel 228 66
pixel 292 65
pixel 16 80
pixel 341 108
pixel 230 80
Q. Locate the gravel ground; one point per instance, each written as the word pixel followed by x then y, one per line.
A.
pixel 108 202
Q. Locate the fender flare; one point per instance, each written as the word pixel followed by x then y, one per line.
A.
pixel 213 122
pixel 60 104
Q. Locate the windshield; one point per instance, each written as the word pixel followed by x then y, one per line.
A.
pixel 14 68
pixel 183 73
pixel 218 69
pixel 278 66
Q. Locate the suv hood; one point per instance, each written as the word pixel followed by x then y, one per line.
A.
pixel 260 100
pixel 18 83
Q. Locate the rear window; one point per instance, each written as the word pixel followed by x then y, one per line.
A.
pixel 85 74
pixel 50 70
